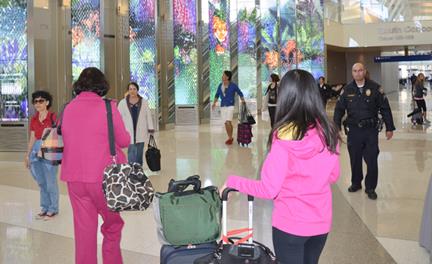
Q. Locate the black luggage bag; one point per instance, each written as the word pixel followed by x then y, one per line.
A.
pixel 185 254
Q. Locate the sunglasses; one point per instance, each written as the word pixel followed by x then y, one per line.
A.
pixel 39 101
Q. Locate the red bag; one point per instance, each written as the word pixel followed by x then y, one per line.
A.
pixel 244 134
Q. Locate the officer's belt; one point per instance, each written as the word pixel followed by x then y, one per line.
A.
pixel 364 123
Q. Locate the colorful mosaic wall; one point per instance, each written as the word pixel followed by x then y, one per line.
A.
pixel 85 35
pixel 185 52
pixel 142 48
pixel 13 60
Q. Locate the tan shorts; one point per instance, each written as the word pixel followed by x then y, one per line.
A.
pixel 227 113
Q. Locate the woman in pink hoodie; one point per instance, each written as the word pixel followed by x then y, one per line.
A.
pixel 86 154
pixel 300 166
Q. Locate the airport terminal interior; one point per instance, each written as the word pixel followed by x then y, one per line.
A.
pixel 177 52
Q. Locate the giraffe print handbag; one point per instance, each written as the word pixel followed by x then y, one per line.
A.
pixel 125 186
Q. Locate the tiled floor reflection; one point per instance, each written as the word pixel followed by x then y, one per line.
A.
pixel 364 231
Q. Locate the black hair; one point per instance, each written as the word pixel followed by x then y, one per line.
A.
pixel 299 103
pixel 274 77
pixel 134 84
pixel 44 95
pixel 228 74
pixel 91 80
pixel 321 77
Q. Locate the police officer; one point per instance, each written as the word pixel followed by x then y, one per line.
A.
pixel 363 99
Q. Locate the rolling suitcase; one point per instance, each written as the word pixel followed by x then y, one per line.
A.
pixel 416 116
pixel 234 250
pixel 185 254
pixel 244 134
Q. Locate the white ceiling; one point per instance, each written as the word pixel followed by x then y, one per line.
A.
pixel 376 11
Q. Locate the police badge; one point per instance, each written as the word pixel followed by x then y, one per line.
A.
pixel 368 92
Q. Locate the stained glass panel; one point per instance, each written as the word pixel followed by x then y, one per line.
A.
pixel 13 60
pixel 310 36
pixel 185 52
pixel 289 50
pixel 142 49
pixel 269 40
pixel 219 42
pixel 85 35
pixel 247 63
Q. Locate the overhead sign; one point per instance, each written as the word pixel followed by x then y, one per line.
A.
pixel 381 59
pixel 378 34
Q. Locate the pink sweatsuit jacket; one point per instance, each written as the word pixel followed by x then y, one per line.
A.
pixel 297 175
pixel 85 136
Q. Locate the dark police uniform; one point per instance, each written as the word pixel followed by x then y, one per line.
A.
pixel 363 106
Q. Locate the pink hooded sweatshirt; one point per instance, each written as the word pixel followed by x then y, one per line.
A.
pixel 297 175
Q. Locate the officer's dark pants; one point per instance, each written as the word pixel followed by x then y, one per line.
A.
pixel 363 144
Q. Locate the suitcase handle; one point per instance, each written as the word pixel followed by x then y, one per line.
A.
pixel 224 215
pixel 180 186
pixel 228 190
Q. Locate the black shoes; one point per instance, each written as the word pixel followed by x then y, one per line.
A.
pixel 371 194
pixel 354 188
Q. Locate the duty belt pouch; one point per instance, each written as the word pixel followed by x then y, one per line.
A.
pixel 368 123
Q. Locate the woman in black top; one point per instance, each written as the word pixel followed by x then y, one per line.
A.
pixel 271 95
pixel 419 92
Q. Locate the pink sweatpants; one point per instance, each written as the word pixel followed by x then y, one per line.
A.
pixel 88 201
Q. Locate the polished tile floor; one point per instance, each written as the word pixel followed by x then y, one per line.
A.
pixel 364 231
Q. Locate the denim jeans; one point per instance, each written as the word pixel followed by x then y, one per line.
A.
pixel 45 175
pixel 135 153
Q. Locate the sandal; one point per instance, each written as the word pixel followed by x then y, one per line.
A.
pixel 49 216
pixel 41 215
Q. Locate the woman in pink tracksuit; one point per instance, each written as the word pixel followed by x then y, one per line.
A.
pixel 301 165
pixel 86 154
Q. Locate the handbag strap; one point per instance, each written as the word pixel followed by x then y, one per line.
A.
pixel 152 142
pixel 53 125
pixel 247 110
pixel 60 119
pixel 111 138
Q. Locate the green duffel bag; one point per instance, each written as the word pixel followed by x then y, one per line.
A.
pixel 188 216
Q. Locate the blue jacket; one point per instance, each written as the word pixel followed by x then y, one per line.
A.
pixel 231 90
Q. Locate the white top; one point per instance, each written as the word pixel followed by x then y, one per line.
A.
pixel 144 124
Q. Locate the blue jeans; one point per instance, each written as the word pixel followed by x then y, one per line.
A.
pixel 135 153
pixel 45 175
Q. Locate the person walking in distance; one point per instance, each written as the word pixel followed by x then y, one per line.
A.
pixel 325 90
pixel 271 96
pixel 137 118
pixel 226 91
pixel 419 93
pixel 363 100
